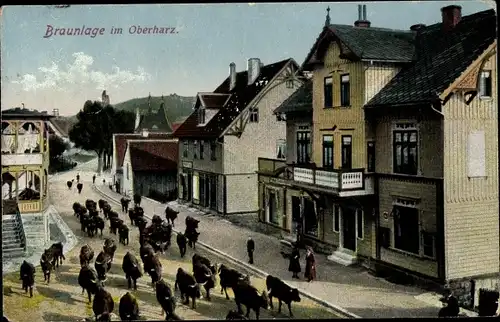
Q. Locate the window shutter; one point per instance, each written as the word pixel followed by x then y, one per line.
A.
pixel 476 155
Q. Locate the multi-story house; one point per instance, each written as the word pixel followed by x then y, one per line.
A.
pixel 25 163
pixel 411 133
pixel 230 127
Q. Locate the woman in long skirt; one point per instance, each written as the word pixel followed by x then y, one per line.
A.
pixel 294 266
pixel 310 272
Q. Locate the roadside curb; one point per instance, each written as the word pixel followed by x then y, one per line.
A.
pixel 251 268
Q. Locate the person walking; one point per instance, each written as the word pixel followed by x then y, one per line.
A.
pixel 294 265
pixel 78 178
pixel 310 272
pixel 250 249
pixel 93 179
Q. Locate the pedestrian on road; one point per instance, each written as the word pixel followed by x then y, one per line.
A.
pixel 93 179
pixel 310 272
pixel 103 182
pixel 294 266
pixel 250 249
pixel 78 178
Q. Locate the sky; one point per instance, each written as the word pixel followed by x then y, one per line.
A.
pixel 45 70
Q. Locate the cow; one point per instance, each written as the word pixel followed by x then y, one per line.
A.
pixel 103 304
pixel 86 255
pixel 154 268
pixel 131 269
pixel 79 187
pixel 90 226
pixel 88 280
pixel 114 224
pixel 165 298
pixel 46 265
pixel 192 237
pixel 182 243
pixel 128 308
pixel 109 248
pixel 27 276
pixel 229 278
pixel 90 204
pixel 123 234
pixel 124 202
pixel 137 200
pixel 452 309
pixel 234 315
pixel 205 277
pixel 141 223
pixel 101 203
pixel 171 215
pixel 192 223
pixel 146 251
pixel 284 293
pixel 102 265
pixel 249 296
pixel 188 286
pixel 106 209
pixel 131 216
pixel 203 260
pixel 156 220
pixel 57 254
pixel 99 224
pixel 84 216
pixel 160 236
pixel 70 183
pixel 76 209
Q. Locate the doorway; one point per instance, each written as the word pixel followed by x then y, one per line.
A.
pixel 349 228
pixel 273 216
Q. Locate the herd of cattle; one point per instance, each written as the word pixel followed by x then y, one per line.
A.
pixel 154 239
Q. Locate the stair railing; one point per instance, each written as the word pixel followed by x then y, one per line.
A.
pixel 20 230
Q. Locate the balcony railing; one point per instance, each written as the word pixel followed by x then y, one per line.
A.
pixel 27 206
pixel 337 179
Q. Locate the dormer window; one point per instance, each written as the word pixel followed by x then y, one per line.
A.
pixel 254 115
pixel 485 84
pixel 289 83
pixel 201 115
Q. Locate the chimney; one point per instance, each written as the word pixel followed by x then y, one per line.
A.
pixel 253 69
pixel 362 22
pixel 232 76
pixel 451 16
pixel 417 27
pixel 145 133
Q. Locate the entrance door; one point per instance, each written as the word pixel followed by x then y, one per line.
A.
pixel 272 208
pixel 189 186
pixel 349 228
pixel 295 213
pixel 201 188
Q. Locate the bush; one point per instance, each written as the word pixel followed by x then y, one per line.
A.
pixel 61 164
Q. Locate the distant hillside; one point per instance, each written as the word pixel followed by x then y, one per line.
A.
pixel 178 107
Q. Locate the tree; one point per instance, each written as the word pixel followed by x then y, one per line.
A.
pixel 57 146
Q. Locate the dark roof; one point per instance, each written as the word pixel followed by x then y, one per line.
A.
pixel 154 155
pixel 62 125
pixel 209 100
pixel 441 57
pixel 368 43
pixel 121 143
pixel 24 113
pixel 300 101
pixel 240 97
pixel 155 121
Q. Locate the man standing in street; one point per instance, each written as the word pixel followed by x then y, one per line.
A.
pixel 93 179
pixel 250 249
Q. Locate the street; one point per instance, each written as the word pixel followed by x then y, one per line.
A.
pixel 62 299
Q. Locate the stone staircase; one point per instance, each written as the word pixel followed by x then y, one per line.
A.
pixel 343 257
pixel 13 237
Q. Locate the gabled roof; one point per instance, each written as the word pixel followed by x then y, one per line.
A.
pixel 300 101
pixel 121 143
pixel 213 100
pixel 157 122
pixel 441 57
pixel 154 155
pixel 240 97
pixel 24 113
pixel 367 43
pixel 62 125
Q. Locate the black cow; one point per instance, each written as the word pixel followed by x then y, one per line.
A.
pixel 131 216
pixel 79 187
pixel 128 308
pixel 284 293
pixel 160 236
pixel 205 277
pixel 27 276
pixel 192 237
pixel 103 304
pixel 88 280
pixel 154 268
pixel 156 220
pixel 70 184
pixel 229 278
pixel 123 234
pixel 90 226
pixel 182 243
pixel 109 247
pixel 234 315
pixel 124 202
pixel 188 286
pixel 131 269
pixel 101 203
pixel 249 296
pixel 146 251
pixel 86 255
pixel 141 223
pixel 76 209
pixel 165 297
pixel 106 209
pixel 84 218
pixel 171 215
pixel 102 265
pixel 90 204
pixel 191 222
pixel 57 254
pixel 46 265
pixel 114 224
pixel 203 260
pixel 452 309
pixel 99 224
pixel 137 200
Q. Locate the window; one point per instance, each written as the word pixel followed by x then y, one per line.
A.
pixel 406 229
pixel 281 149
pixel 485 84
pixel 213 147
pixel 195 149
pixel 428 244
pixel 254 115
pixel 328 151
pixel 303 147
pixel 201 115
pixel 185 149
pixel 360 222
pixel 202 148
pixel 345 91
pixel 346 151
pixel 273 211
pixel 289 83
pixel 336 218
pixel 476 155
pixel 405 151
pixel 370 152
pixel 328 91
